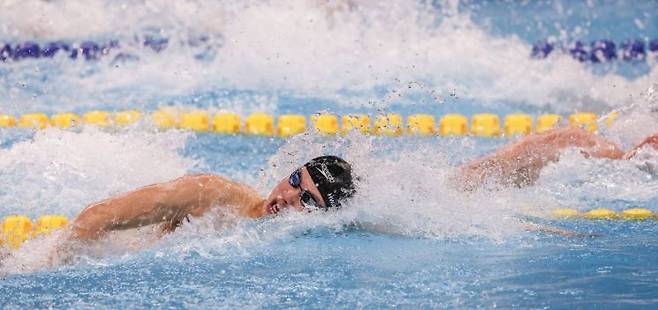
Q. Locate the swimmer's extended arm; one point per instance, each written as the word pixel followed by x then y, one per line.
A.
pixel 520 163
pixel 167 202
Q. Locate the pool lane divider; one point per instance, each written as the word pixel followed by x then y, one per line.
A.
pixel 638 214
pixel 263 124
pixel 16 229
pixel 596 51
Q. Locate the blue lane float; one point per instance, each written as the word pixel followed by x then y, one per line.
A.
pixel 157 44
pixel 578 51
pixel 602 51
pixel 598 51
pixel 633 50
pixel 542 49
pixel 26 50
pixel 52 48
pixel 89 50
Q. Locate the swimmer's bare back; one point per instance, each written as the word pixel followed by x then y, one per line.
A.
pixel 165 204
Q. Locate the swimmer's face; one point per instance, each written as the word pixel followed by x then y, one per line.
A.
pixel 285 196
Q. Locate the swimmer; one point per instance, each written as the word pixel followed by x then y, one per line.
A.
pixel 321 184
pixel 519 164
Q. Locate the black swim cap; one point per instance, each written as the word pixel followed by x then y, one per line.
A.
pixel 333 177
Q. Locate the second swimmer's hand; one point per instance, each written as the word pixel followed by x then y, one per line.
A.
pixel 650 141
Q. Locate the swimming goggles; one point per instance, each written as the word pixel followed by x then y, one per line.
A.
pixel 305 197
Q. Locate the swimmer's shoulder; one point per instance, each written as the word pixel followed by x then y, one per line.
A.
pixel 202 178
pixel 210 180
pixel 222 190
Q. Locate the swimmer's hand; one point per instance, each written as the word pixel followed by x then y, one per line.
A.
pixel 648 141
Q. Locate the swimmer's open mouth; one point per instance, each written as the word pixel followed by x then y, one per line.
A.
pixel 273 208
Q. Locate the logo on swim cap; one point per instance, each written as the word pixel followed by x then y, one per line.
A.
pixel 325 172
pixel 333 177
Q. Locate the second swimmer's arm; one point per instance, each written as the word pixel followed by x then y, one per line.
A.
pixel 520 163
pixel 159 203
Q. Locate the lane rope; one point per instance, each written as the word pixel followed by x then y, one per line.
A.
pixel 596 51
pixel 264 124
pixel 16 229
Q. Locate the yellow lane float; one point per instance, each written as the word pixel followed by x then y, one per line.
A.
pixel 453 125
pixel 16 229
pixel 325 123
pixel 33 120
pixel 290 125
pixel 126 118
pixel 485 125
pixel 47 223
pixel 97 118
pixel 421 124
pixel 360 123
pixel 164 119
pixel 65 120
pixel 197 121
pixel 636 214
pixel 518 124
pixel 226 123
pixel 388 125
pixel 7 120
pixel 259 124
pixel 601 214
pixel 566 213
pixel 547 122
pixel 584 120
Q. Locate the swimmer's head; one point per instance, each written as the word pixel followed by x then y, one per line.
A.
pixel 322 183
pixel 333 178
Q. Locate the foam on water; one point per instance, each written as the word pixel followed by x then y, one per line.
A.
pixel 354 53
pixel 577 182
pixel 636 120
pixel 62 171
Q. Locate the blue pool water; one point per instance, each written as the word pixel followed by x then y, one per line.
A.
pixel 407 240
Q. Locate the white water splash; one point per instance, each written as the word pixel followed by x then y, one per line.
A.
pixel 344 53
pixel 60 172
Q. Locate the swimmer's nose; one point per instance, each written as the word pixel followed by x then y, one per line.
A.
pixel 289 196
pixel 282 201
